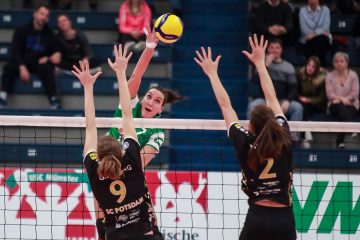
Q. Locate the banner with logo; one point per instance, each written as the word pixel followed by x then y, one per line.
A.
pixel 58 204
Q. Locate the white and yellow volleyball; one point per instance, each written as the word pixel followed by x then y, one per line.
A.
pixel 168 28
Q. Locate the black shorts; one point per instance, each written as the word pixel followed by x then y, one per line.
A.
pixel 157 233
pixel 269 223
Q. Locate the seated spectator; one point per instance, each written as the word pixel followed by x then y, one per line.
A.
pixel 315 37
pixel 73 44
pixel 283 76
pixel 133 16
pixel 274 19
pixel 342 90
pixel 345 7
pixel 312 93
pixel 34 50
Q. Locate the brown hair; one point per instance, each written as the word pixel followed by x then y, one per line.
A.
pixel 271 138
pixel 276 40
pixel 110 156
pixel 170 96
pixel 316 60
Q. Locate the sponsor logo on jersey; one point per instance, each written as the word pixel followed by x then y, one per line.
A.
pixel 93 156
pixel 125 145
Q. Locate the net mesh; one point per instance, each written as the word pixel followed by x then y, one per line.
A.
pixel 194 182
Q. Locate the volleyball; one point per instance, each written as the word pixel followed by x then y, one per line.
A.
pixel 168 28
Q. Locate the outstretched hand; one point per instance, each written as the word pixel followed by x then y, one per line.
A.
pixel 205 61
pixel 121 60
pixel 83 74
pixel 151 39
pixel 257 54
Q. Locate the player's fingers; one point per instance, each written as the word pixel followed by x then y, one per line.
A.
pixel 120 50
pixel 197 61
pixel 97 74
pixel 266 44
pixel 75 73
pixel 251 43
pixel 199 56
pixel 116 52
pixel 125 51
pixel 256 40
pixel 129 56
pixel 247 54
pixel 76 69
pixel 218 59
pixel 261 40
pixel 203 52
pixel 209 53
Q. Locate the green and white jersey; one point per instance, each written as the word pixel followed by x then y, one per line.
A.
pixel 153 137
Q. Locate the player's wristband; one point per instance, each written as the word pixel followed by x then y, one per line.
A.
pixel 151 44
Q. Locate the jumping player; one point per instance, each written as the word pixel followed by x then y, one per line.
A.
pixel 115 170
pixel 264 151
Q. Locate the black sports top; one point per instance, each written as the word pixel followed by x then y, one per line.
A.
pixel 273 178
pixel 124 201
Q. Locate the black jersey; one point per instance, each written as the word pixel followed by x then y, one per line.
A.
pixel 124 201
pixel 273 178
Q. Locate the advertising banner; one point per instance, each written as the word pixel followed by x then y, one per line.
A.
pixel 58 204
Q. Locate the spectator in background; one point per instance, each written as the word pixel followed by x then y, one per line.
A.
pixel 312 93
pixel 342 90
pixel 73 44
pixel 133 16
pixel 284 79
pixel 315 37
pixel 274 19
pixel 34 50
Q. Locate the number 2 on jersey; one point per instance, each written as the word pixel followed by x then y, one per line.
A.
pixel 265 173
pixel 118 188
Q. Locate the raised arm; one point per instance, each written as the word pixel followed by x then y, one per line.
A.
pixel 210 68
pixel 88 80
pixel 143 63
pixel 257 57
pixel 119 66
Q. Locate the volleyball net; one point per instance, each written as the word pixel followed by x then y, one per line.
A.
pixel 194 182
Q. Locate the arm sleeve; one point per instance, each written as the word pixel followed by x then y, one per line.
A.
pixel 54 43
pixel 330 92
pixel 304 27
pixel 124 27
pixel 17 47
pixel 132 150
pixel 354 94
pixel 260 25
pixel 85 44
pixel 289 18
pixel 324 25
